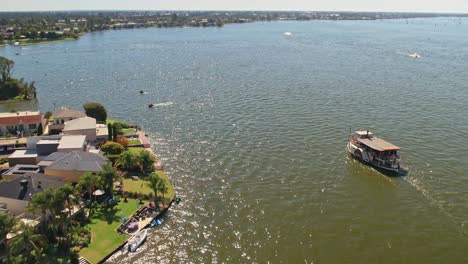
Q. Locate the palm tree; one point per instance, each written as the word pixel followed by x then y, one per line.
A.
pixel 147 161
pixel 7 223
pixel 42 202
pixel 127 160
pixel 163 189
pixel 108 175
pixel 28 242
pixel 89 182
pixel 154 184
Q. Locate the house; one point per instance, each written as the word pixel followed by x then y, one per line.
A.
pixel 71 166
pixel 39 147
pixel 22 122
pixel 16 193
pixel 62 115
pixel 81 126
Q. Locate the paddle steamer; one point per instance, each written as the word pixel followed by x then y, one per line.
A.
pixel 374 151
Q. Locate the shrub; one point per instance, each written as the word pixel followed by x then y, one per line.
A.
pixel 122 140
pixel 112 148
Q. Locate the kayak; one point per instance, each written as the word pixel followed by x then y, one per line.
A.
pixel 155 222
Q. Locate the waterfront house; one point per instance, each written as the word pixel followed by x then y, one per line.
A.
pixel 62 115
pixel 81 126
pixel 15 194
pixel 71 166
pixel 39 147
pixel 19 122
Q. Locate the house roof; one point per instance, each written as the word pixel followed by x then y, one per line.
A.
pixel 64 112
pixel 72 142
pixel 23 153
pixel 80 124
pixel 77 161
pixel 33 183
pixel 26 117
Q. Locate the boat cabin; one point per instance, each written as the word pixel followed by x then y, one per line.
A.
pixel 377 147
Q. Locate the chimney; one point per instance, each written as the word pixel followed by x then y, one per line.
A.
pixel 24 184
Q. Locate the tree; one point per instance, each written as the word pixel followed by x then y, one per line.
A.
pixel 128 161
pixel 6 67
pixel 154 184
pixel 96 110
pixel 147 161
pixel 109 131
pixel 47 115
pixel 115 132
pixel 7 223
pixel 39 130
pixel 162 188
pixel 108 175
pixel 28 243
pixel 89 182
pixel 112 148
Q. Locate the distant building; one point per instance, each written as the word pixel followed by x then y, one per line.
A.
pixel 62 115
pixel 71 166
pixel 22 122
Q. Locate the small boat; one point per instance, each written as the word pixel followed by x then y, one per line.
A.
pixel 150 105
pixel 414 55
pixel 374 151
pixel 155 222
pixel 137 240
pixel 142 92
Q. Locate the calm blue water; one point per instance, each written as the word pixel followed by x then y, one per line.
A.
pixel 254 139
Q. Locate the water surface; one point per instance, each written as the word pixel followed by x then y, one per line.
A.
pixel 252 129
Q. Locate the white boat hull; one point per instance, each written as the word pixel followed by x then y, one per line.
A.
pixel 137 240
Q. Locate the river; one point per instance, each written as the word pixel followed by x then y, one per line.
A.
pixel 252 126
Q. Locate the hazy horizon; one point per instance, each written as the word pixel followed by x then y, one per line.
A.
pixel 401 6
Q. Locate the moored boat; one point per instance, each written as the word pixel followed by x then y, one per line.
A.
pixel 137 240
pixel 374 151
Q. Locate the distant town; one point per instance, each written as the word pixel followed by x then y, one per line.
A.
pixel 34 27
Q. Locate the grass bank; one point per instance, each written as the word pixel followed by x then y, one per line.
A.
pixel 104 237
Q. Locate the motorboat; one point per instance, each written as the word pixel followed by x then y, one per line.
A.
pixel 137 240
pixel 414 55
pixel 374 151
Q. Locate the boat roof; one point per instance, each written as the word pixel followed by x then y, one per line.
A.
pixel 378 144
pixel 363 132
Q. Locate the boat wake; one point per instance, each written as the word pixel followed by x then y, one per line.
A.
pixel 287 33
pixel 412 55
pixel 163 104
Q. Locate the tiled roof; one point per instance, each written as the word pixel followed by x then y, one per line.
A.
pixel 80 124
pixel 36 182
pixel 20 118
pixel 64 112
pixel 78 161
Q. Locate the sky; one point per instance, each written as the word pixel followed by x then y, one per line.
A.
pixel 439 6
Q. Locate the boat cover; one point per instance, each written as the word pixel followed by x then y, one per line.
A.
pixel 378 144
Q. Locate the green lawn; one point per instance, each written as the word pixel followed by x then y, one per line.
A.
pixel 131 185
pixel 134 141
pixel 104 237
pixel 128 131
